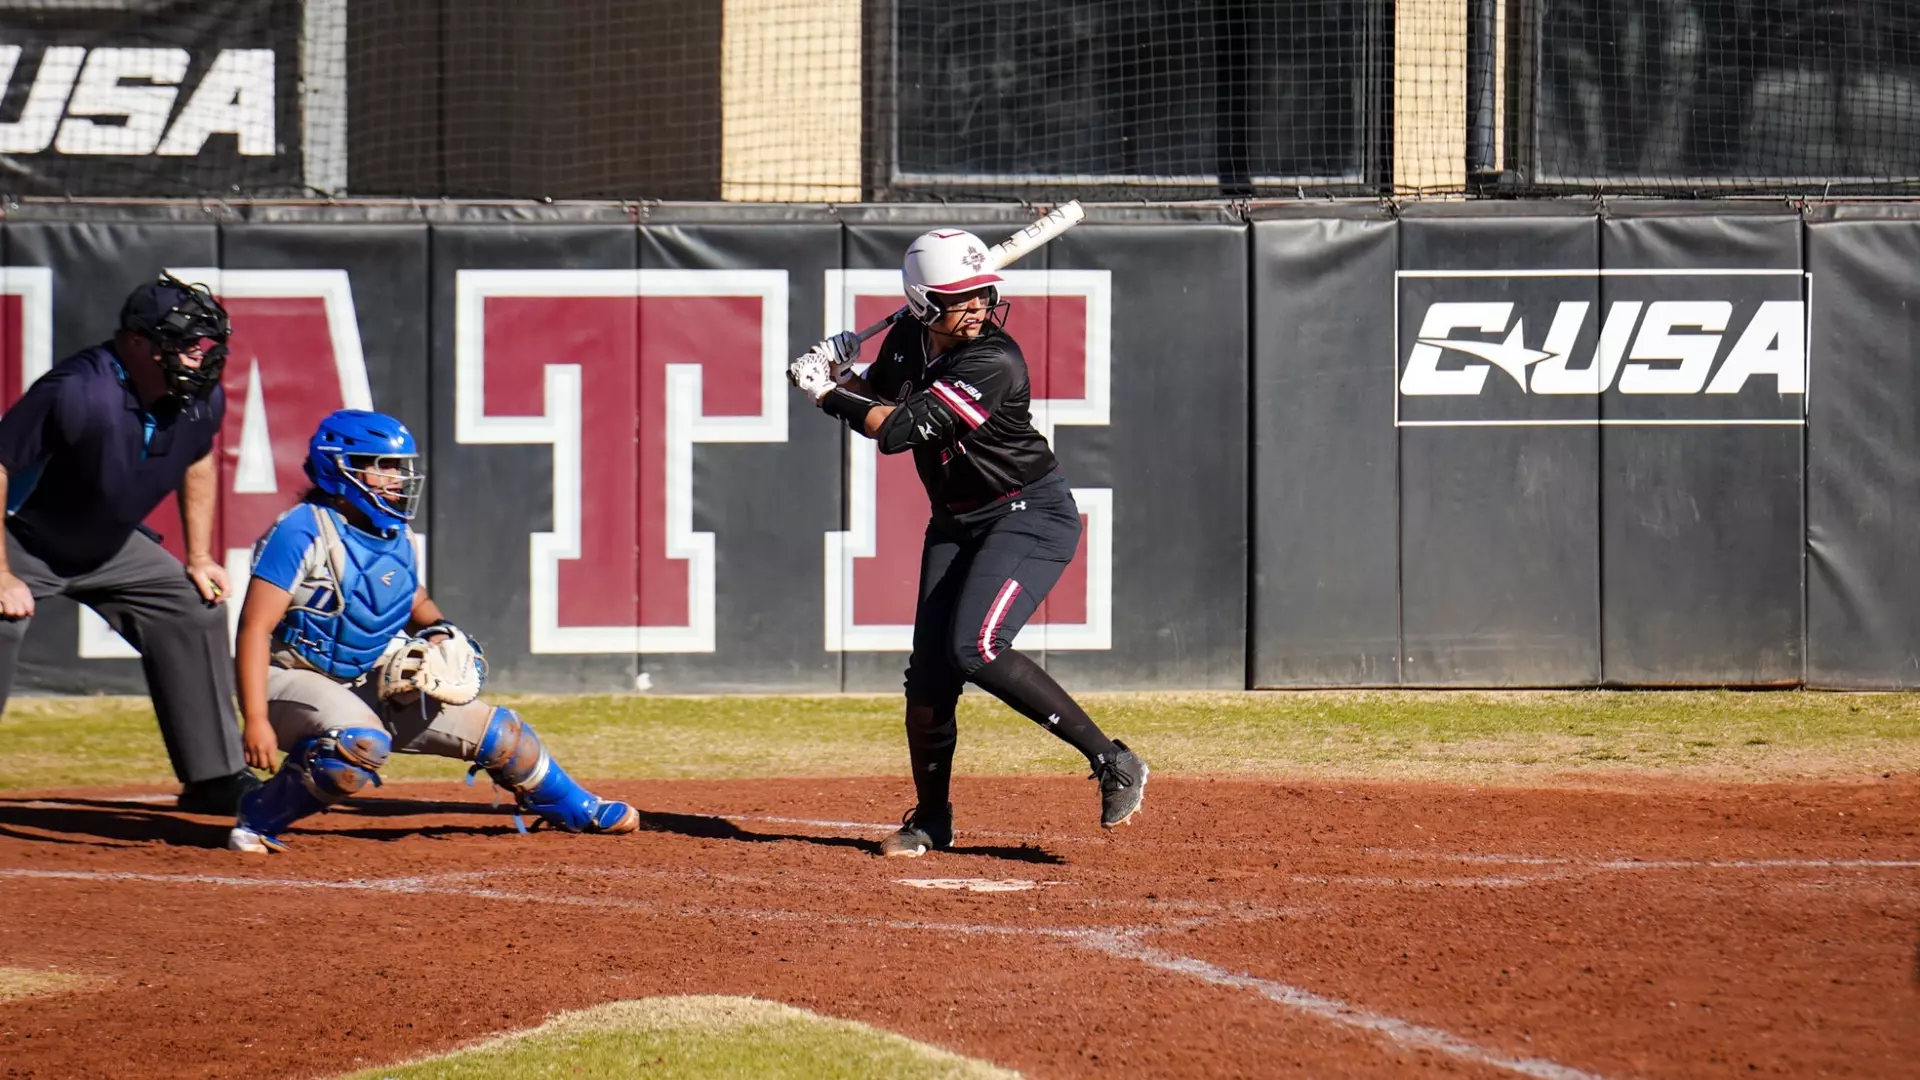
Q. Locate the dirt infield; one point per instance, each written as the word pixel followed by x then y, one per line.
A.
pixel 1239 929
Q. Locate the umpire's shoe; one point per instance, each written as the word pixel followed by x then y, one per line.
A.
pixel 920 831
pixel 220 796
pixel 1123 783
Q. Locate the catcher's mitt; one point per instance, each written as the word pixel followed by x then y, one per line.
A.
pixel 447 668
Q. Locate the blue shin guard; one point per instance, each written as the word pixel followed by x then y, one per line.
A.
pixel 317 773
pixel 512 754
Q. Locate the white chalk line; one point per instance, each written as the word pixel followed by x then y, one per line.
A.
pixel 1480 882
pixel 1647 864
pixel 882 829
pixel 1401 1032
pixel 1120 943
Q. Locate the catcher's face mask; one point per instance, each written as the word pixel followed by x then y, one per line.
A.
pixel 394 481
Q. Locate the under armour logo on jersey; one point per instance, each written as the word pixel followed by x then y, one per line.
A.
pixel 387 578
pixel 1021 505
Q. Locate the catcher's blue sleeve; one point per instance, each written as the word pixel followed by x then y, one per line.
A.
pixel 290 551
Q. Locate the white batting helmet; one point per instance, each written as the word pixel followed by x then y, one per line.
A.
pixel 944 261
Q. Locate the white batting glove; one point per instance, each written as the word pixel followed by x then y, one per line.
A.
pixel 803 362
pixel 812 373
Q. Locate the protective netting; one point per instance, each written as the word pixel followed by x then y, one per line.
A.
pixel 560 99
pixel 1003 97
pixel 842 100
pixel 1712 96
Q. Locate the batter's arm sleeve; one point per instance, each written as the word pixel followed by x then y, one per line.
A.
pixel 953 407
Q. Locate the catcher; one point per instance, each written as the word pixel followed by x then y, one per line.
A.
pixel 342 657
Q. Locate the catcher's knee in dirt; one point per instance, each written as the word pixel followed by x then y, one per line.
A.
pixel 342 762
pixel 318 772
pixel 512 754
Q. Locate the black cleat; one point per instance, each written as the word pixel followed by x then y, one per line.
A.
pixel 1123 783
pixel 919 833
pixel 220 795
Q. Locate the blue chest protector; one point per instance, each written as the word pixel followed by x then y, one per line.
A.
pixel 356 594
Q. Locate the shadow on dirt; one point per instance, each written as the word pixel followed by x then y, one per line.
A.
pixel 708 827
pixel 102 823
pixel 112 823
pixel 381 806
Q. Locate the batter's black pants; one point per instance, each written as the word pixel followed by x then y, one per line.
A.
pixel 144 593
pixel 979 584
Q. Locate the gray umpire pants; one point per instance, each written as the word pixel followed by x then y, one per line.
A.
pixel 144 593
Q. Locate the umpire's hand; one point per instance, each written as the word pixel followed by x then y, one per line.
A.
pixel 209 577
pixel 16 600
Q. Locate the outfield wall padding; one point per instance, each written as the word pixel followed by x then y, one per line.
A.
pixel 1314 444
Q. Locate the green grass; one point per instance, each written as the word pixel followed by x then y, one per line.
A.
pixel 1480 737
pixel 695 1038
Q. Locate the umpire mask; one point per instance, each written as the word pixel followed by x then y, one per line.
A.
pixel 181 320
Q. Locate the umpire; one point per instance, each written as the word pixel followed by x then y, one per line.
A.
pixel 85 455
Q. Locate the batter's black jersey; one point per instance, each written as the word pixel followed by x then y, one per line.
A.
pixel 966 416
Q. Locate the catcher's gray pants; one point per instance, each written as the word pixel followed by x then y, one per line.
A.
pixel 143 592
pixel 303 703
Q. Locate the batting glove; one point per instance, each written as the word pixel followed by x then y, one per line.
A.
pixel 812 373
pixel 843 349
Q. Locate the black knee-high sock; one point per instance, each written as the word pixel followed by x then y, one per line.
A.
pixel 931 733
pixel 1031 692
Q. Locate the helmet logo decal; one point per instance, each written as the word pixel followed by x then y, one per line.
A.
pixel 974 258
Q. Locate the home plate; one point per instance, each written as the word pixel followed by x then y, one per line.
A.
pixel 973 884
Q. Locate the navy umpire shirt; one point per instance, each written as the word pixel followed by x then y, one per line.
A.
pixel 86 464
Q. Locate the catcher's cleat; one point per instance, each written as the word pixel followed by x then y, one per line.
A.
pixel 254 843
pixel 1123 784
pixel 919 833
pixel 609 816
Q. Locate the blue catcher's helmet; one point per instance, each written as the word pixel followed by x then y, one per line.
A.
pixel 370 460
